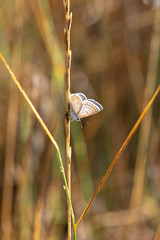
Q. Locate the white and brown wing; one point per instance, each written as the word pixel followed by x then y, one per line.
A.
pixel 83 97
pixel 75 103
pixel 89 108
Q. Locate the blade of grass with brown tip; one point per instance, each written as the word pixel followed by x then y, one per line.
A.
pixel 119 154
pixel 46 130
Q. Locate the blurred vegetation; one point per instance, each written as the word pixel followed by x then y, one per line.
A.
pixel 115 60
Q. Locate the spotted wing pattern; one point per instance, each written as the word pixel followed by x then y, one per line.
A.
pixel 89 108
pixel 75 104
pixel 82 107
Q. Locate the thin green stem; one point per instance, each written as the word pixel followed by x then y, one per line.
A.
pixel 66 186
pixel 47 132
pixel 68 56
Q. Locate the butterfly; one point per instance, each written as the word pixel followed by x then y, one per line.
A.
pixel 81 107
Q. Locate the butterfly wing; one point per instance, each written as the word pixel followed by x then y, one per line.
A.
pixel 89 108
pixel 83 97
pixel 75 105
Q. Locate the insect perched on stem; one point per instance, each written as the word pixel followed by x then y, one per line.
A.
pixel 81 107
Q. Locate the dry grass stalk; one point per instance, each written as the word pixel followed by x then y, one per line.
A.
pixel 141 160
pixel 9 163
pixel 68 22
pixel 119 154
pixel 46 130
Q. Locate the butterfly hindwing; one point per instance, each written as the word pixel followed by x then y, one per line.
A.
pixel 96 103
pixel 89 108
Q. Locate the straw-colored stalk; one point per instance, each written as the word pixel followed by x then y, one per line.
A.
pixel 47 132
pixel 68 22
pixel 11 129
pixel 130 135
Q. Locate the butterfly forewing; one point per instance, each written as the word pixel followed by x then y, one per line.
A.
pixel 75 103
pixel 83 97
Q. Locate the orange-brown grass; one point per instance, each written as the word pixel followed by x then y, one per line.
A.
pixel 115 58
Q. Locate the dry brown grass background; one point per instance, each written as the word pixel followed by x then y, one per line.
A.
pixel 115 60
